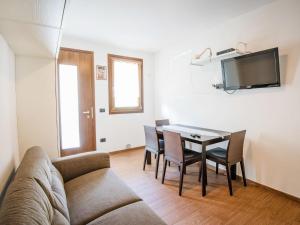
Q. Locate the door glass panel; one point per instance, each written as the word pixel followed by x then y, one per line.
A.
pixel 69 109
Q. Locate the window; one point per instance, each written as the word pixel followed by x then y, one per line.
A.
pixel 125 84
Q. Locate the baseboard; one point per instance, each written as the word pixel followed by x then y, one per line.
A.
pixel 126 150
pixel 271 189
pixel 9 180
pixel 258 184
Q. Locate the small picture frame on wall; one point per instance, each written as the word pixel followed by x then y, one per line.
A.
pixel 101 73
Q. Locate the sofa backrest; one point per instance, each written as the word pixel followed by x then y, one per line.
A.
pixel 36 194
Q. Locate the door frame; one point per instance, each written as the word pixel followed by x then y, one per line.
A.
pixel 68 151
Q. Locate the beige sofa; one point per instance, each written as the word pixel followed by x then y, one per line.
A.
pixel 75 190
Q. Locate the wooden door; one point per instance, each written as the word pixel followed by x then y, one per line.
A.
pixel 76 101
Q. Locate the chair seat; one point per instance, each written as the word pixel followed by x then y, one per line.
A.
pixel 161 150
pixel 217 153
pixel 192 156
pixel 161 143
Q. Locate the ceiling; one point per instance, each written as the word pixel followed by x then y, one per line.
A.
pixel 32 27
pixel 148 25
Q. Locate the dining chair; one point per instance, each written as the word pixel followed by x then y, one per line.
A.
pixel 159 123
pixel 152 146
pixel 230 156
pixel 175 152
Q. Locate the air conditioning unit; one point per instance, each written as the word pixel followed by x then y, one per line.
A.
pixel 207 56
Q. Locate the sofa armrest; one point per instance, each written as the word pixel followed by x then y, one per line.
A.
pixel 80 164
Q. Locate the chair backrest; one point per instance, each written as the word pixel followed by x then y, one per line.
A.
pixel 151 138
pixel 159 123
pixel 173 146
pixel 235 147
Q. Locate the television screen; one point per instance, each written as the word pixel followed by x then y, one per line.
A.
pixel 254 70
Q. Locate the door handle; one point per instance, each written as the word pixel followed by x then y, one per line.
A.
pixel 89 112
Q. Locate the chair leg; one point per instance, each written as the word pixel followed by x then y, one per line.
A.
pixel 243 172
pixel 229 179
pixel 200 173
pixel 168 162
pixel 157 164
pixel 164 171
pixel 145 159
pixel 181 178
pixel 217 168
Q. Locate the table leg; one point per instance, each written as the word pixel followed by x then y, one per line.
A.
pixel 233 172
pixel 148 158
pixel 204 172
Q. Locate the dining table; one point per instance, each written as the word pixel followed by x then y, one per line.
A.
pixel 201 136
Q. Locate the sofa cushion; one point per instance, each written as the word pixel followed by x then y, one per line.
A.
pixel 58 197
pixel 94 194
pixel 37 165
pixel 26 203
pixel 59 219
pixel 137 213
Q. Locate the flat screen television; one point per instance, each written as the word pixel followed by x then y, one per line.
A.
pixel 254 70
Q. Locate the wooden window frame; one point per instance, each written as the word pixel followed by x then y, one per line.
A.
pixel 119 110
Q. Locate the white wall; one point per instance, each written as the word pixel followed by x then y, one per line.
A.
pixel 8 122
pixel 118 129
pixel 33 29
pixel 36 104
pixel 270 116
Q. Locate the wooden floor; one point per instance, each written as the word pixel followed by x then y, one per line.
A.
pixel 249 205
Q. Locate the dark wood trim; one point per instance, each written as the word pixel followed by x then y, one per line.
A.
pixel 239 178
pixel 76 50
pixel 124 110
pixel 125 58
pixel 126 150
pixel 8 182
pixel 70 151
pixel 94 99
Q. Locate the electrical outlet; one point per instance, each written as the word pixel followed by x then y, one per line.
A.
pixel 102 139
pixel 102 110
pixel 218 86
